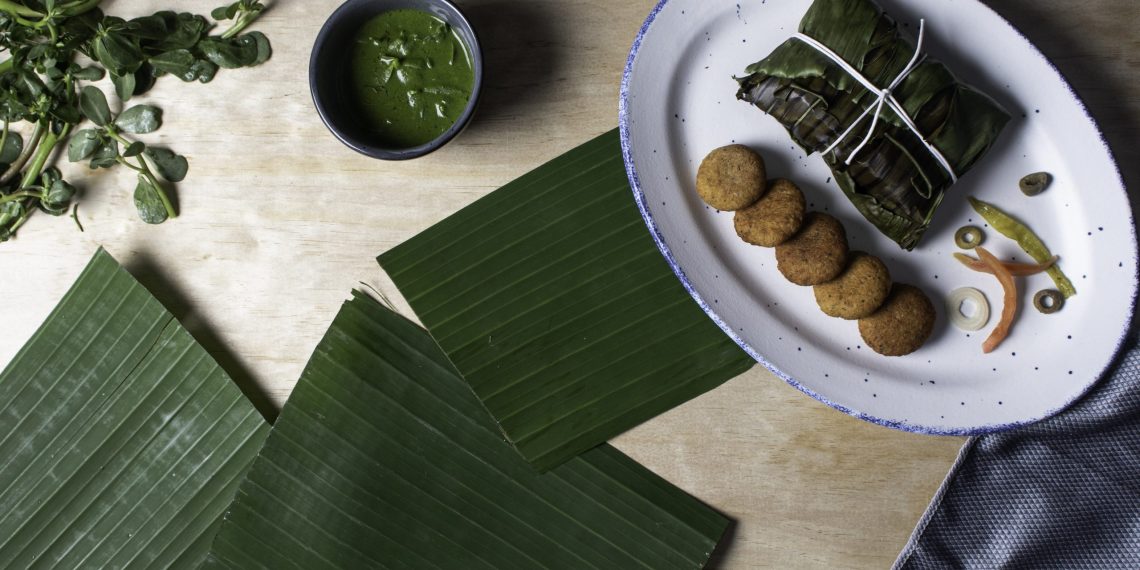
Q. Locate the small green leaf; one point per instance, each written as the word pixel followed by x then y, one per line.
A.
pixel 93 73
pixel 82 27
pixel 241 51
pixel 170 166
pixel 202 70
pixel 125 85
pixel 144 78
pixel 12 148
pixel 60 192
pixel 49 176
pixel 149 202
pixel 57 198
pixel 12 108
pixel 119 53
pixel 27 84
pixel 106 155
pixel 66 112
pixel 10 212
pixel 176 62
pixel 140 119
pixel 220 13
pixel 168 30
pixel 93 103
pixel 264 50
pixel 83 145
pixel 150 28
pixel 134 149
pixel 186 30
pixel 37 51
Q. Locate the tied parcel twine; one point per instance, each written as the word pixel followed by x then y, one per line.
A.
pixel 885 99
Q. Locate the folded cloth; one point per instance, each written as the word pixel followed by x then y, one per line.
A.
pixel 1061 493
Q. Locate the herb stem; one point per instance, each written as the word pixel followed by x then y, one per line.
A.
pixel 144 170
pixel 128 164
pixel 4 137
pixel 43 153
pixel 26 154
pixel 19 222
pixel 240 23
pixel 20 195
pixel 17 9
pixel 78 7
pixel 162 192
pixel 166 204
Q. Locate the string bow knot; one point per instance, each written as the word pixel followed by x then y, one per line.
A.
pixel 885 99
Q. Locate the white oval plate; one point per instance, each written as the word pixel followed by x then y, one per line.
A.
pixel 678 103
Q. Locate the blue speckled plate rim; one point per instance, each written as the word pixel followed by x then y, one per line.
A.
pixel 639 197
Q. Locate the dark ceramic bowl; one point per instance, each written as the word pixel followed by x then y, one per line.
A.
pixel 328 69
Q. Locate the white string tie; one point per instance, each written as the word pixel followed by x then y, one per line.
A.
pixel 885 99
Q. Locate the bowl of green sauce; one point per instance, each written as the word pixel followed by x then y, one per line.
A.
pixel 396 79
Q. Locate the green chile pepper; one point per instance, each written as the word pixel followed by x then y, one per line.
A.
pixel 1019 232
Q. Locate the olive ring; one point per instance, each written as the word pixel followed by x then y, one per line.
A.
pixel 969 237
pixel 1048 301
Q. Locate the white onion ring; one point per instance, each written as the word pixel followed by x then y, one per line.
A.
pixel 958 298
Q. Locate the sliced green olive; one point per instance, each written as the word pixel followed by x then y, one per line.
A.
pixel 1035 183
pixel 969 237
pixel 1048 301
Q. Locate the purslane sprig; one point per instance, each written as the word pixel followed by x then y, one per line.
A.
pixel 46 93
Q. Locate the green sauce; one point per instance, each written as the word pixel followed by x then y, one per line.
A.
pixel 411 76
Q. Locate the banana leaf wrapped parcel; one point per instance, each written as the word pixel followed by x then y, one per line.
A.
pixel 897 128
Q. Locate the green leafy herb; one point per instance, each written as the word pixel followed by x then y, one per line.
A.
pixel 44 88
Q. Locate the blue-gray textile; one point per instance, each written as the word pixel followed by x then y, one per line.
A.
pixel 1061 493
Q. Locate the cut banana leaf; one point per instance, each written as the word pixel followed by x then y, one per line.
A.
pixel 553 302
pixel 382 458
pixel 121 440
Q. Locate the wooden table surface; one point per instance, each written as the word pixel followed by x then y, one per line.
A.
pixel 280 221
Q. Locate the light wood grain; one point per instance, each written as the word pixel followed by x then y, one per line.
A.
pixel 279 221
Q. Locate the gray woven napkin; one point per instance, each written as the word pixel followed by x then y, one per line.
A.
pixel 1061 493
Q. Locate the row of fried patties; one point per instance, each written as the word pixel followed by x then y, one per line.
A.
pixel 894 319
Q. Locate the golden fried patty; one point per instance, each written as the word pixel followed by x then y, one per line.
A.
pixel 731 177
pixel 774 218
pixel 902 324
pixel 816 254
pixel 858 291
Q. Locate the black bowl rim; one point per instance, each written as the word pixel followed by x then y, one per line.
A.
pixel 379 152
